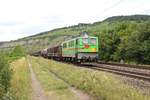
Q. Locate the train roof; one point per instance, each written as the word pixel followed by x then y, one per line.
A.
pixel 84 36
pixel 81 35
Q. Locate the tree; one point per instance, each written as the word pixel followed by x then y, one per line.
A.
pixel 17 52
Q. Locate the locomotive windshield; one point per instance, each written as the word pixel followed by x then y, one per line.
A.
pixel 85 41
pixel 93 40
pixel 89 41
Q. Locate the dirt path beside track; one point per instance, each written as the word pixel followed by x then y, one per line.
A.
pixel 38 92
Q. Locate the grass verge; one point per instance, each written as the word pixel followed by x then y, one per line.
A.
pixel 101 85
pixel 20 82
pixel 55 88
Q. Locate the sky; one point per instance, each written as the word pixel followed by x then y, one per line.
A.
pixel 21 18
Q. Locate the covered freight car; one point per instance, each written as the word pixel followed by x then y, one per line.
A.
pixel 55 52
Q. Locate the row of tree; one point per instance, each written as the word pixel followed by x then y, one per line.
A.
pixel 127 40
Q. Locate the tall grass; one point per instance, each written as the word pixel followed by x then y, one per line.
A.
pixel 20 83
pixel 101 85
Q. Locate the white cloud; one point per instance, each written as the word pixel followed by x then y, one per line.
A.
pixel 19 18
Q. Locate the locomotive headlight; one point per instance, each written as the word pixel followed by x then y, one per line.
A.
pixel 93 49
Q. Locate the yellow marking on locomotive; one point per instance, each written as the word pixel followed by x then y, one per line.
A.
pixel 93 49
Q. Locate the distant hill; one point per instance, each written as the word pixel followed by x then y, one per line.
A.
pixel 129 18
pixel 56 36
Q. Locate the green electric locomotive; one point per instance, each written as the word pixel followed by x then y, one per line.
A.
pixel 81 48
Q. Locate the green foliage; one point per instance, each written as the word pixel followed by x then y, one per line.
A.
pixel 120 37
pixel 5 75
pixel 5 70
pixel 17 52
pixel 138 46
pixel 127 40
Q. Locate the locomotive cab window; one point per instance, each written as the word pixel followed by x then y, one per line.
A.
pixel 93 40
pixel 85 40
pixel 71 43
pixel 65 45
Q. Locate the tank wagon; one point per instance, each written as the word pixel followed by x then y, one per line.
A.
pixel 83 48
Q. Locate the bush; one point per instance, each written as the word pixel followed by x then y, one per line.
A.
pixel 17 53
pixel 5 75
pixel 5 71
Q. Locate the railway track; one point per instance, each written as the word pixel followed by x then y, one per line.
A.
pixel 143 74
pixel 126 65
pixel 139 72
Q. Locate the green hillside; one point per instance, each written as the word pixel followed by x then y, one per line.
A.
pixel 120 37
